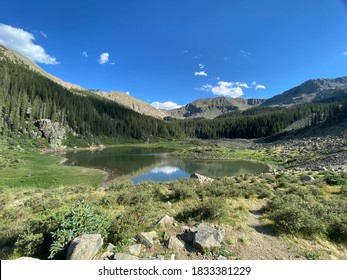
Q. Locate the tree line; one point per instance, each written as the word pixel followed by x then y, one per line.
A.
pixel 26 96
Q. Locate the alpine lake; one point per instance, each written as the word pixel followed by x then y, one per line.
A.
pixel 155 164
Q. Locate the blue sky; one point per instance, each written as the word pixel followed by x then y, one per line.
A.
pixel 178 51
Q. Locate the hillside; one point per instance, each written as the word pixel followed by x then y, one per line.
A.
pixel 116 96
pixel 132 103
pixel 210 108
pixel 309 91
pixel 17 58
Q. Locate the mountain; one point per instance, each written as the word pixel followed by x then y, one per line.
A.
pixel 116 96
pixel 17 58
pixel 132 103
pixel 319 90
pixel 210 108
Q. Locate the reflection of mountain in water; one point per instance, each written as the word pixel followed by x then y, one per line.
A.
pixel 154 164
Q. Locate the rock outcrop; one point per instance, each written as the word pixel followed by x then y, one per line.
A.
pixel 53 131
pixel 84 247
pixel 201 178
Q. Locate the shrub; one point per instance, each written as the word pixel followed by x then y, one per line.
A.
pixel 334 179
pixel 81 220
pixel 212 209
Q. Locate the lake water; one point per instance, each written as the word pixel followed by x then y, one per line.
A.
pixel 155 164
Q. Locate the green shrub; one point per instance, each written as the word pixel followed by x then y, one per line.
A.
pixel 212 209
pixel 334 179
pixel 81 220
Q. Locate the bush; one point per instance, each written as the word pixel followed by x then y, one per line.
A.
pixel 81 220
pixel 334 179
pixel 212 209
pixel 292 214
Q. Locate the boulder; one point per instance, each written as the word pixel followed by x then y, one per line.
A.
pixel 166 221
pixel 307 178
pixel 134 250
pixel 188 234
pixel 208 237
pixel 201 178
pixel 146 238
pixel 107 256
pixel 110 247
pixel 175 244
pixel 122 256
pixel 84 247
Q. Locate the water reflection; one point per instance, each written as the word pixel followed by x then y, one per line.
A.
pixel 155 164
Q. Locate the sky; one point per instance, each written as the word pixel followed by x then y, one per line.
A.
pixel 171 52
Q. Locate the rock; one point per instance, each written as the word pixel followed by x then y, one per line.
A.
pixel 110 247
pixel 221 258
pixel 134 250
pixel 146 238
pixel 160 257
pixel 173 257
pixel 201 178
pixel 27 259
pixel 208 237
pixel 307 178
pixel 122 256
pixel 53 131
pixel 175 244
pixel 166 221
pixel 84 247
pixel 188 233
pixel 107 256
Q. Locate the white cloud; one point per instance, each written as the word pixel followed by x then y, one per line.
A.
pixel 200 73
pixel 168 105
pixel 85 54
pixel 165 169
pixel 241 84
pixel 260 87
pixel 22 42
pixel 254 83
pixel 104 58
pixel 127 93
pixel 201 66
pixel 228 89
pixel 43 34
pixel 345 53
pixel 245 53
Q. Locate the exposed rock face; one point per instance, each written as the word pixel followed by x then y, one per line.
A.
pixel 147 238
pixel 213 107
pixel 208 237
pixel 311 90
pixel 53 131
pixel 201 178
pixel 84 247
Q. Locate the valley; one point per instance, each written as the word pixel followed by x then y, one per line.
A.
pixel 294 210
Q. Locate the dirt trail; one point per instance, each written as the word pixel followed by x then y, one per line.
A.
pixel 257 241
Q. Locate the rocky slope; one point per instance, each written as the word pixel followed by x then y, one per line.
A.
pixel 309 91
pixel 210 108
pixel 132 103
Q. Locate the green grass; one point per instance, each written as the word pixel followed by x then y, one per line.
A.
pixel 32 169
pixel 212 152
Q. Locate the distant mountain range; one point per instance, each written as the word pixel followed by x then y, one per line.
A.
pixel 310 91
pixel 317 90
